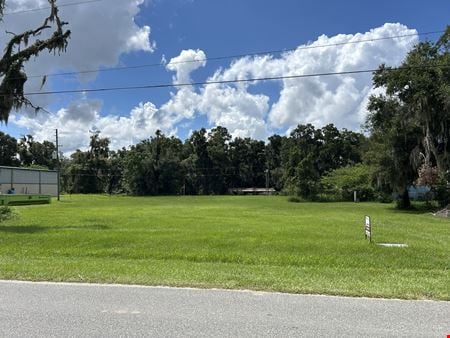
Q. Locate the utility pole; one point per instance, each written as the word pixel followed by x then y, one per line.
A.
pixel 57 160
pixel 267 181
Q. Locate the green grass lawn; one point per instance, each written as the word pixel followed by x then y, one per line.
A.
pixel 254 242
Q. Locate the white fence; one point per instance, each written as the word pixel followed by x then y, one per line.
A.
pixel 28 181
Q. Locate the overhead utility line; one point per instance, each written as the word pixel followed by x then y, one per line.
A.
pixel 234 56
pixel 171 85
pixel 64 4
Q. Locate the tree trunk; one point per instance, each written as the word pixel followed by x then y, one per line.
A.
pixel 432 149
pixel 404 202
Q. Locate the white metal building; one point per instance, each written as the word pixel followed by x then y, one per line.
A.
pixel 28 181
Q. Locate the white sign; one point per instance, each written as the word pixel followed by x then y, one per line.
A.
pixel 368 228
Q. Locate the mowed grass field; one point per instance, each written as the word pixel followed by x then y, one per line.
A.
pixel 243 242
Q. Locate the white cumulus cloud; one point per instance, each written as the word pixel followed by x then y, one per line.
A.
pixel 77 120
pixel 140 40
pixel 185 63
pixel 336 99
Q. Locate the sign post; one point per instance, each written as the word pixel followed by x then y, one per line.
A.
pixel 368 228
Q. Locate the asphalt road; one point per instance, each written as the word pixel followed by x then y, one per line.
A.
pixel 51 309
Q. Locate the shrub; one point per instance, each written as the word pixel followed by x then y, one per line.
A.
pixel 5 213
pixel 327 197
pixel 442 192
pixel 340 184
pixel 384 198
pixel 294 199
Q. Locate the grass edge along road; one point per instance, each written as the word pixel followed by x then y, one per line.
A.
pixel 236 242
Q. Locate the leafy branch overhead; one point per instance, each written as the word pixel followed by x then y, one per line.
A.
pixel 19 50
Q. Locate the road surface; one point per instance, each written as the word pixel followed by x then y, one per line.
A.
pixel 81 310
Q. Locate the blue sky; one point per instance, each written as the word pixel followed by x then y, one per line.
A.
pixel 114 33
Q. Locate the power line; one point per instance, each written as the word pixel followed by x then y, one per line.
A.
pixel 65 4
pixel 272 78
pixel 234 56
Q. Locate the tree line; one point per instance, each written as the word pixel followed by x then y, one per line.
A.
pixel 213 162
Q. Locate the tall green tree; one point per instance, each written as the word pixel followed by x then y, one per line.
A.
pixel 8 150
pixel 248 161
pixel 153 166
pixel 395 139
pixel 98 160
pixel 197 164
pixel 78 175
pixel 338 148
pixel 273 153
pixel 412 118
pixel 35 153
pixel 300 152
pixel 88 171
pixel 219 172
pixel 114 177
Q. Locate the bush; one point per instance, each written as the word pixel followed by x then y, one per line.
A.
pixel 384 198
pixel 5 213
pixel 294 199
pixel 324 197
pixel 340 184
pixel 442 192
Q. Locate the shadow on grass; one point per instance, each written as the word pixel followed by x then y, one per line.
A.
pixel 31 229
pixel 416 209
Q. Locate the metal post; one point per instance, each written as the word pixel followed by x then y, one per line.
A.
pixel 267 181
